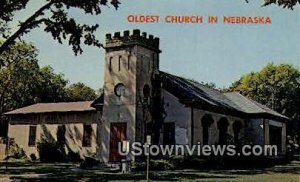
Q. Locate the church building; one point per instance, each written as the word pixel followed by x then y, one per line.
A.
pixel 139 100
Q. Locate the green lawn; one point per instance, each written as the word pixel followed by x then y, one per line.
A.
pixel 71 172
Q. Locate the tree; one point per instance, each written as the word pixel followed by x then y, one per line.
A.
pixel 80 92
pixel 50 86
pixel 99 92
pixel 22 80
pixel 277 86
pixel 17 80
pixel 54 17
pixel 283 3
pixel 206 84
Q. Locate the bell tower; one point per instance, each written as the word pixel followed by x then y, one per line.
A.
pixel 131 62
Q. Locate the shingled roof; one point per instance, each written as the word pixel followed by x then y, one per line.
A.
pixel 196 94
pixel 54 107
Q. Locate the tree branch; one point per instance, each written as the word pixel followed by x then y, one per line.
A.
pixel 23 27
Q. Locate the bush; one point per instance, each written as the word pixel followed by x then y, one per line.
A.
pixel 73 156
pixel 51 151
pixel 16 152
pixel 155 165
pixel 33 157
pixel 161 165
pixel 89 162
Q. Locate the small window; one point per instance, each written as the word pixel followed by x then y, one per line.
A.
pixel 149 64
pixel 142 63
pixel 87 136
pixel 61 134
pixel 128 62
pixel 120 62
pixel 32 136
pixel 110 63
pixel 146 91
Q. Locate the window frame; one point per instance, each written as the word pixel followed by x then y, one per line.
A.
pixel 32 135
pixel 87 135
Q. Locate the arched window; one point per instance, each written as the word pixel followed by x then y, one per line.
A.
pixel 153 61
pixel 206 122
pixel 120 62
pixel 142 63
pixel 223 126
pixel 128 62
pixel 146 91
pixel 110 63
pixel 149 64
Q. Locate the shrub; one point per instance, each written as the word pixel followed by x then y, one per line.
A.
pixel 161 164
pixel 155 165
pixel 33 157
pixel 89 162
pixel 51 151
pixel 73 156
pixel 16 152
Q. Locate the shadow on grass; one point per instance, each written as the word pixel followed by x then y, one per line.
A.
pixel 39 172
pixel 93 177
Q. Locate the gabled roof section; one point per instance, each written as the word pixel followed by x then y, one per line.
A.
pixel 98 102
pixel 54 107
pixel 189 92
pixel 250 106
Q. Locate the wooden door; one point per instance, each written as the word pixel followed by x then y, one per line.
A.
pixel 117 134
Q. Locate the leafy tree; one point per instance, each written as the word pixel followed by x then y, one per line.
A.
pixel 18 78
pixel 22 80
pixel 277 86
pixel 50 86
pixel 283 3
pixel 99 92
pixel 206 84
pixel 80 92
pixel 54 17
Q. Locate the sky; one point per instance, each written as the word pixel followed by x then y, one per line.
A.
pixel 219 53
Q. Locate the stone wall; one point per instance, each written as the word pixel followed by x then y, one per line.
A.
pixel 213 129
pixel 73 122
pixel 181 116
pixel 130 60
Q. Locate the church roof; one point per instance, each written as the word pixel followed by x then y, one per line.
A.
pixel 198 95
pixel 54 107
pixel 248 105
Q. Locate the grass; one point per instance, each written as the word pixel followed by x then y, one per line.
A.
pixel 33 172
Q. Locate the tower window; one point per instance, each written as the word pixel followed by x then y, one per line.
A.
pixel 153 61
pixel 142 57
pixel 128 62
pixel 146 91
pixel 149 64
pixel 120 60
pixel 110 63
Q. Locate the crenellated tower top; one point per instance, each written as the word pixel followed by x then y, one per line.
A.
pixel 136 38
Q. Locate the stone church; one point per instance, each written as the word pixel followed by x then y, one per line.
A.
pixel 141 100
